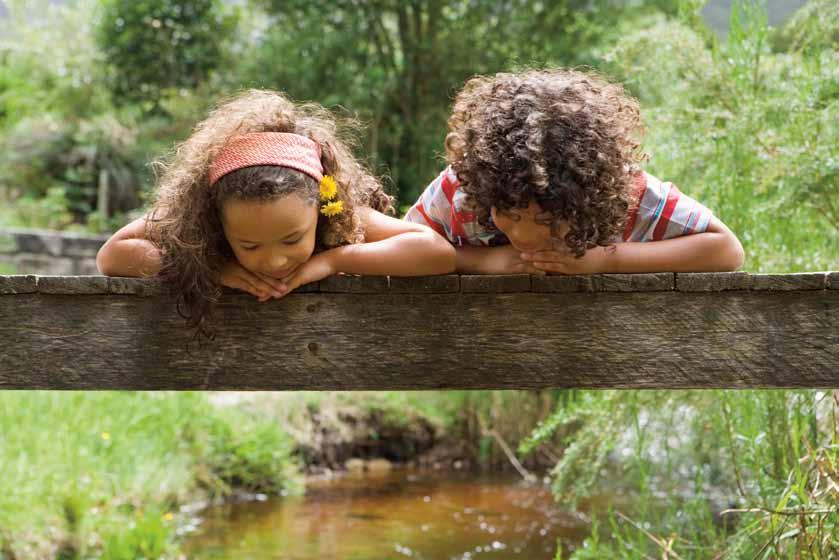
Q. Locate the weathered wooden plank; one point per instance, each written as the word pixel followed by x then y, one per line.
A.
pixel 349 283
pixel 135 287
pixel 560 284
pixel 652 282
pixel 338 341
pixel 712 281
pixel 510 283
pixel 425 284
pixel 18 284
pixel 73 285
pixel 797 281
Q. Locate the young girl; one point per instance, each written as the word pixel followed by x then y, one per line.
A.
pixel 544 176
pixel 264 197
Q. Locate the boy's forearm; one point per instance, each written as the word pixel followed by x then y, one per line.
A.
pixel 407 254
pixel 701 252
pixel 473 260
pixel 129 257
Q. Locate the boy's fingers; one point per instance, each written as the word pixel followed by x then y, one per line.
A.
pixel 544 256
pixel 549 266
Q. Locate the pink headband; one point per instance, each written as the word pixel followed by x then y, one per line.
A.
pixel 268 148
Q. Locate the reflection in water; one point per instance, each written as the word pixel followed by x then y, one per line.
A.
pixel 398 514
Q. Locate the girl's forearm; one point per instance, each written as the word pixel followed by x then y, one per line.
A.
pixel 129 257
pixel 701 252
pixel 407 254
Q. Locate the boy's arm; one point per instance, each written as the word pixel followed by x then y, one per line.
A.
pixel 503 259
pixel 715 250
pixel 129 253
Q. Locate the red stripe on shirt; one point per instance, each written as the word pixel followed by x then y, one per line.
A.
pixel 431 223
pixel 640 189
pixel 669 206
pixel 449 188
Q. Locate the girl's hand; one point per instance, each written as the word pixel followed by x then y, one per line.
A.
pixel 316 268
pixel 594 261
pixel 234 275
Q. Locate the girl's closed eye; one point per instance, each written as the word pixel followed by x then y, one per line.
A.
pixel 249 247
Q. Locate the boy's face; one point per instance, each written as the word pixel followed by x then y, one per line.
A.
pixel 528 229
pixel 271 237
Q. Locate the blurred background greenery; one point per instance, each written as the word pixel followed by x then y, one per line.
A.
pixel 742 114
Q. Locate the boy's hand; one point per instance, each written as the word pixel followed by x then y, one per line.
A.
pixel 234 275
pixel 594 261
pixel 506 259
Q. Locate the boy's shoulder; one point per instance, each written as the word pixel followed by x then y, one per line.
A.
pixel 661 211
pixel 445 207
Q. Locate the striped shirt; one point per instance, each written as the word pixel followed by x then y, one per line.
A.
pixel 662 212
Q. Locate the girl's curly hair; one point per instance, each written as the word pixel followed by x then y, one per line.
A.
pixel 565 139
pixel 185 222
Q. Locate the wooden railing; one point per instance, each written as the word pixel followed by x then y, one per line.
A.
pixel 727 330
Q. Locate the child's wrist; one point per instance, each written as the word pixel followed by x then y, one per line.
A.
pixel 330 260
pixel 612 262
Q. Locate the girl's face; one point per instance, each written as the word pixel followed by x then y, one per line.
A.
pixel 528 229
pixel 272 237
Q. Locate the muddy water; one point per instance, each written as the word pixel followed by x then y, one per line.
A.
pixel 397 514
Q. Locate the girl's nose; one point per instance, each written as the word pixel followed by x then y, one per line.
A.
pixel 278 262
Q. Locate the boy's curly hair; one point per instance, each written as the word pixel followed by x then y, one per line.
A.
pixel 185 222
pixel 565 139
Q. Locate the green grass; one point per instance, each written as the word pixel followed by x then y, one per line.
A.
pixel 103 474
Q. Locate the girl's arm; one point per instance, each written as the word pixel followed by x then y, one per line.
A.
pixel 392 248
pixel 715 250
pixel 395 248
pixel 129 253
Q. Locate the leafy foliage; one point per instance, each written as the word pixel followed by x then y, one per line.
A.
pixel 152 45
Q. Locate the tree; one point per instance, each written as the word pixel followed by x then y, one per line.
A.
pixel 397 64
pixel 152 45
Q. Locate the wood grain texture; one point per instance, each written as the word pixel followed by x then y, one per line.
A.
pixel 511 283
pixel 417 335
pixel 18 284
pixel 712 281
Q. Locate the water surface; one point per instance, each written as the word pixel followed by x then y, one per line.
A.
pixel 396 514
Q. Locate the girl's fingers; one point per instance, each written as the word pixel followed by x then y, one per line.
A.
pixel 266 286
pixel 257 287
pixel 276 285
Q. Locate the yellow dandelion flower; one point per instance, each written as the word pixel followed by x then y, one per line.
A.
pixel 328 188
pixel 332 208
pixel 106 436
pixel 168 516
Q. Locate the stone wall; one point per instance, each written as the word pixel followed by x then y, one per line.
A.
pixel 29 251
